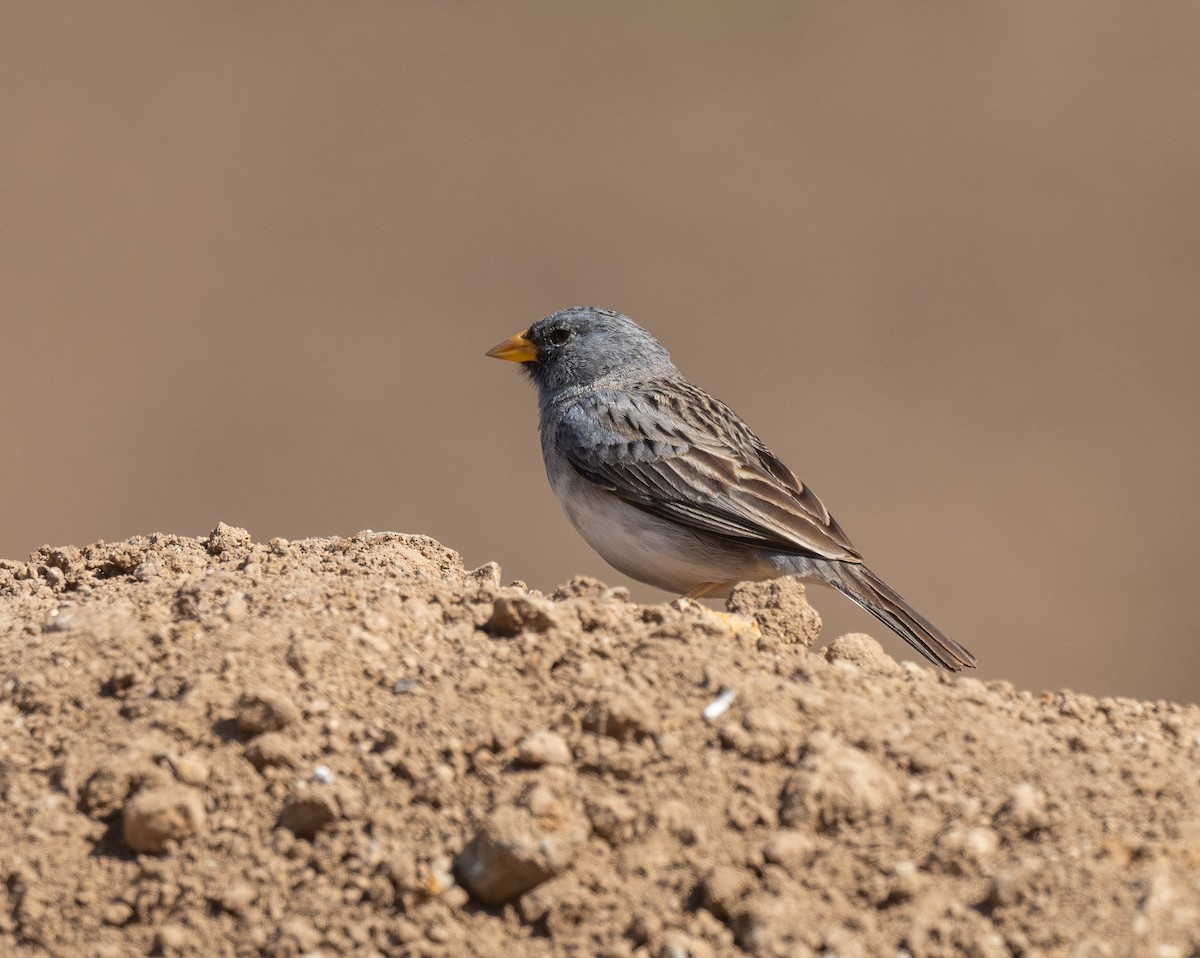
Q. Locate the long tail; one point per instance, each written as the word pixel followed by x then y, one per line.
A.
pixel 857 582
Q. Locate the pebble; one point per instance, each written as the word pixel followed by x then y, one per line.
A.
pixel 189 769
pixel 976 844
pixel 300 933
pixel 308 813
pixel 118 913
pixel 613 817
pixel 836 784
pixel 517 849
pixel 723 888
pixel 224 538
pixel 543 748
pixel 1025 808
pixel 623 714
pixel 236 608
pixel 273 750
pixel 265 710
pixel 487 574
pixel 720 705
pixel 514 614
pixel 790 848
pixel 238 897
pixel 312 808
pixel 860 650
pixel 155 816
pixel 171 937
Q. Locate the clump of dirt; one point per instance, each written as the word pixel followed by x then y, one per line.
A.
pixel 356 746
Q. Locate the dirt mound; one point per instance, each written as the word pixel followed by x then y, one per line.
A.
pixel 355 746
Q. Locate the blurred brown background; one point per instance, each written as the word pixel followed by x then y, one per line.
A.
pixel 945 258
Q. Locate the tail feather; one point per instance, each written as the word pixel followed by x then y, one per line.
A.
pixel 864 587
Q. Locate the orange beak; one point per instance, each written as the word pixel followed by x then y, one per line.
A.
pixel 519 349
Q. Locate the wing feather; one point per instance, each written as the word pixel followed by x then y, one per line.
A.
pixel 674 451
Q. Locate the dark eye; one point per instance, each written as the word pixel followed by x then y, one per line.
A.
pixel 559 335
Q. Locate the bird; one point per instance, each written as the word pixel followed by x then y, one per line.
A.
pixel 672 488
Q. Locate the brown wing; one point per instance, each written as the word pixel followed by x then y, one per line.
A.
pixel 674 451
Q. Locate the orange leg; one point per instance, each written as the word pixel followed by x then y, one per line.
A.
pixel 735 624
pixel 703 589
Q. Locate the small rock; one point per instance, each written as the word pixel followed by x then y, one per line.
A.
pixel 273 750
pixel 514 614
pixel 723 888
pixel 265 710
pixel 645 927
pixel 487 574
pixel 980 843
pixel 155 816
pixel 859 649
pixel 439 934
pixel 60 619
pixel 118 913
pixel 304 656
pixel 518 848
pixel 225 538
pixel 110 785
pixel 543 748
pixel 744 811
pixel 904 882
pixel 624 715
pixel 680 820
pixel 720 705
pixel 238 897
pixel 437 876
pixel 1012 885
pixel 836 783
pixel 372 641
pixel 551 900
pixel 189 769
pixel 236 608
pixel 791 849
pixel 961 846
pixel 171 937
pixel 580 587
pixel 780 607
pixel 1025 809
pixel 124 676
pixel 612 817
pixel 764 734
pixel 677 944
pixel 296 936
pixel 307 814
pixel 315 807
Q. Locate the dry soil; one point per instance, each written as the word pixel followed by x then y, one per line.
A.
pixel 355 746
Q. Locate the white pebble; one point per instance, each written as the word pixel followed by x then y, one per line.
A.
pixel 720 705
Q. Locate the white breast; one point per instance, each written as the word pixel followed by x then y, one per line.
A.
pixel 647 548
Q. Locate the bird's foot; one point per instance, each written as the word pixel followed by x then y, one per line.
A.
pixel 703 589
pixel 730 622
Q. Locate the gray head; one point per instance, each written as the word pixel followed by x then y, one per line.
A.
pixel 583 346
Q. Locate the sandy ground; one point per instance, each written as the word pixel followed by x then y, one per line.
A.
pixel 354 746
